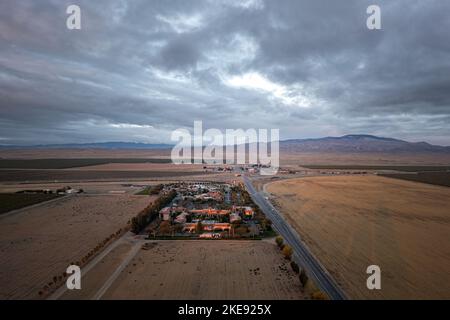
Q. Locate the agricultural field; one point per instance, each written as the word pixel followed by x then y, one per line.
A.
pixel 356 159
pixel 87 175
pixel 69 163
pixel 40 242
pixel 437 178
pixel 80 153
pixel 409 168
pixel 148 166
pixel 351 222
pixel 14 201
pixel 206 270
pixel 93 188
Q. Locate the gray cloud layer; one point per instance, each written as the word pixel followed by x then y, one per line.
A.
pixel 139 69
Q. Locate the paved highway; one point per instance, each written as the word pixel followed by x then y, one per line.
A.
pixel 313 268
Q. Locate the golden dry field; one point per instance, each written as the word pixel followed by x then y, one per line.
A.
pixel 40 242
pixel 351 222
pixel 207 270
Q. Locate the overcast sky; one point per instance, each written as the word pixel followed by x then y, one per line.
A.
pixel 139 69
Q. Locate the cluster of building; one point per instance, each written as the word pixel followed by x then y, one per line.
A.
pixel 200 192
pixel 209 219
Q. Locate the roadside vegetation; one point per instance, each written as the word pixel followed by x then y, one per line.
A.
pixel 308 286
pixel 245 199
pixel 60 279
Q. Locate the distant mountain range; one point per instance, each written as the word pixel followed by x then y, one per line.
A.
pixel 359 143
pixel 348 143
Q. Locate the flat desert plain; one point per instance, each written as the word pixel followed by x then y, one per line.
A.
pixel 40 242
pixel 207 270
pixel 351 222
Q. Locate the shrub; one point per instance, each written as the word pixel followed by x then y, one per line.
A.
pixel 279 241
pixel 319 295
pixel 295 267
pixel 287 252
pixel 303 277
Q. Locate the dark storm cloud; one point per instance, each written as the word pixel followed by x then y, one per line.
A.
pixel 139 69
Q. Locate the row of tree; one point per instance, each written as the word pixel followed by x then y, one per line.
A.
pixel 246 200
pixel 59 279
pixel 143 218
pixel 302 276
pixel 245 196
pixel 285 248
pixel 137 224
